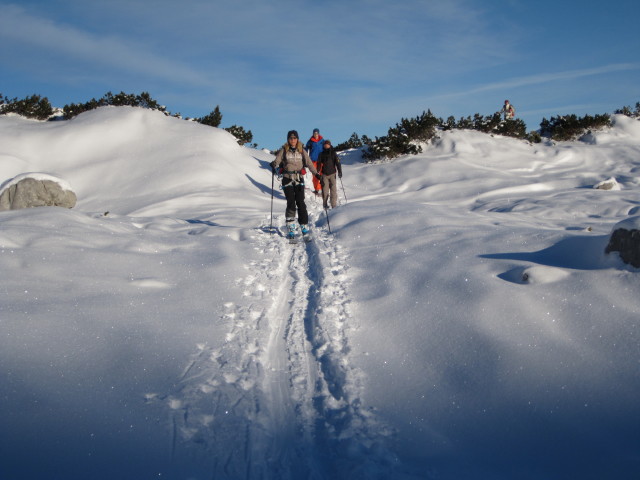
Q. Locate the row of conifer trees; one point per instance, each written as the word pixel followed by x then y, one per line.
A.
pixel 402 139
pixel 39 108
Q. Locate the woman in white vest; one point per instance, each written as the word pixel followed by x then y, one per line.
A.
pixel 292 158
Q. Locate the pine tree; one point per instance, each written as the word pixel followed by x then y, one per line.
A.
pixel 213 119
pixel 570 127
pixel 34 106
pixel 121 99
pixel 354 142
pixel 242 136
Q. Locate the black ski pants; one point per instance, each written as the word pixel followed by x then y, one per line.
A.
pixel 295 200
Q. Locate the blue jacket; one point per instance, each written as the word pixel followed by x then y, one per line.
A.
pixel 315 147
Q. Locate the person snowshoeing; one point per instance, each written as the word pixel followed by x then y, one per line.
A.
pixel 314 149
pixel 294 159
pixel 328 166
pixel 508 111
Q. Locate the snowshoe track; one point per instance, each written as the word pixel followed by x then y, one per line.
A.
pixel 279 399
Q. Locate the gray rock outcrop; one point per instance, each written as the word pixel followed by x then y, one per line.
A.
pixel 609 184
pixel 625 239
pixel 34 192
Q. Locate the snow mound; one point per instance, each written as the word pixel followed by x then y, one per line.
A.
pixel 462 305
pixel 631 223
pixel 543 274
pixel 64 185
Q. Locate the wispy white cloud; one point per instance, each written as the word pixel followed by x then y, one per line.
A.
pixel 67 43
pixel 545 78
pixel 360 41
pixel 360 64
pixel 249 49
pixel 576 108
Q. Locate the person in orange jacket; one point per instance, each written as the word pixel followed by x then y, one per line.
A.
pixel 314 148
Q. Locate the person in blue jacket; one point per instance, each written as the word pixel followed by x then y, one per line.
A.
pixel 314 148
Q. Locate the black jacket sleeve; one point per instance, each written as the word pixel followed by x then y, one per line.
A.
pixel 336 159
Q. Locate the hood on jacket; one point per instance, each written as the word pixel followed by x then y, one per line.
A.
pixel 287 147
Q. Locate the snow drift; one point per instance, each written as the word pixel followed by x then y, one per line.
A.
pixel 461 321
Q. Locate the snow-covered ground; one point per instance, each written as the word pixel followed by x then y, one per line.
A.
pixel 460 321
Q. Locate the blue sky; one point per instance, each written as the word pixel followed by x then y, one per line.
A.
pixel 342 66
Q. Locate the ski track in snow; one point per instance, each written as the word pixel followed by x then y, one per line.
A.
pixel 279 399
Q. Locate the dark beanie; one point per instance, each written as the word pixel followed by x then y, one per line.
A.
pixel 292 133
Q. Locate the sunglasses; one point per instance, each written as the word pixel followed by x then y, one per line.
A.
pixel 292 137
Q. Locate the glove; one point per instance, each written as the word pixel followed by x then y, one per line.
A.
pixel 339 175
pixel 318 176
pixel 273 166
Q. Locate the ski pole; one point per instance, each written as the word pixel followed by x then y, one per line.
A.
pixel 327 215
pixel 345 193
pixel 325 209
pixel 273 174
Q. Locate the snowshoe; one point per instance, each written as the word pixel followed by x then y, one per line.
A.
pixel 306 233
pixel 291 234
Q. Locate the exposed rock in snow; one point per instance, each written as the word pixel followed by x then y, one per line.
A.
pixel 36 190
pixel 625 239
pixel 609 184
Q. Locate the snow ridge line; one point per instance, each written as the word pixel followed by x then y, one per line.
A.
pixel 279 399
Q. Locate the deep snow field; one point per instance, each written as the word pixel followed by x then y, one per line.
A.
pixel 460 321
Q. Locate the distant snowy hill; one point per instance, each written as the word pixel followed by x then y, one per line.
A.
pixel 460 321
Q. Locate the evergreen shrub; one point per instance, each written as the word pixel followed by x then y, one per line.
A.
pixel 242 136
pixel 213 119
pixel 143 100
pixel 629 112
pixel 403 138
pixel 34 106
pixel 571 127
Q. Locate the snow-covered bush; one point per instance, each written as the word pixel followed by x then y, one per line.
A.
pixel 213 119
pixel 493 124
pixel 401 139
pixel 34 106
pixel 143 100
pixel 242 136
pixel 628 112
pixel 571 127
pixel 354 142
